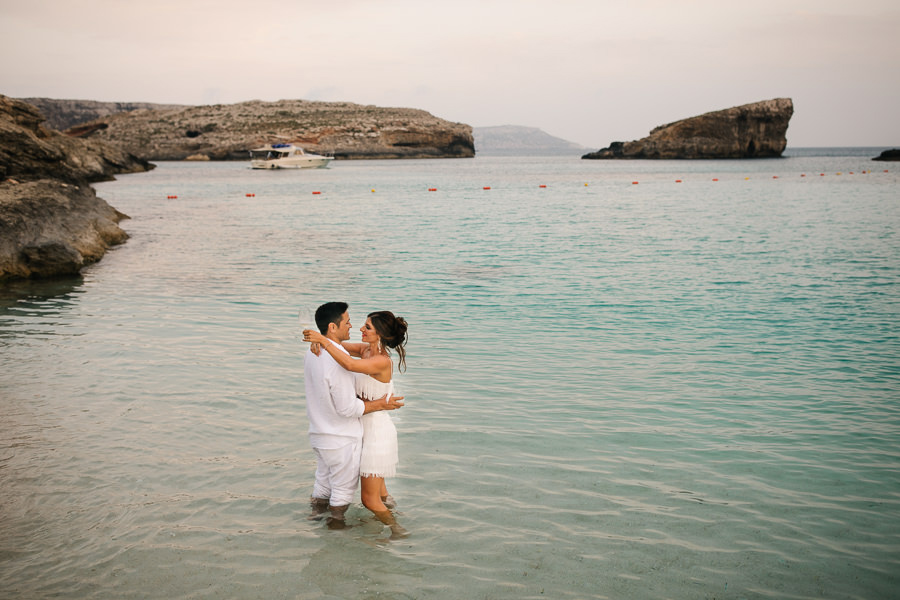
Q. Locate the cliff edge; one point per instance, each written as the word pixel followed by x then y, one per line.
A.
pixel 51 221
pixel 756 130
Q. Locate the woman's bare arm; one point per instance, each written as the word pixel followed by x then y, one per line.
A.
pixel 376 366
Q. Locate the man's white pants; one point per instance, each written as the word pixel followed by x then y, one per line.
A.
pixel 337 473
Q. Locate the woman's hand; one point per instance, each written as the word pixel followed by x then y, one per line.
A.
pixel 386 402
pixel 311 335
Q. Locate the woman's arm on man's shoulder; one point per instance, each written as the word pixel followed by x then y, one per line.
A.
pixel 354 348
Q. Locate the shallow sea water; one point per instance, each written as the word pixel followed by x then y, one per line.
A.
pixel 669 389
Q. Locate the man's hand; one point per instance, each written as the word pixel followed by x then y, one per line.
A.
pixel 315 348
pixel 386 402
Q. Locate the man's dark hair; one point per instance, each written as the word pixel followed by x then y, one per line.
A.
pixel 330 312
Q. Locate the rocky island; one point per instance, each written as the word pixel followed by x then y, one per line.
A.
pixel 889 155
pixel 756 130
pixel 51 221
pixel 229 131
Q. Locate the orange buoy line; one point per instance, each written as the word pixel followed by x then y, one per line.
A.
pixel 587 184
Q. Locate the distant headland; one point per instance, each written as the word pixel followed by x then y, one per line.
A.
pixel 229 131
pixel 756 130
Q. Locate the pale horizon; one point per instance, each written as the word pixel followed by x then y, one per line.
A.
pixel 586 72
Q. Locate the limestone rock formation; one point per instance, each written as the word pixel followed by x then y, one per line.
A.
pixel 50 228
pixel 31 151
pixel 889 155
pixel 229 131
pixel 756 130
pixel 51 221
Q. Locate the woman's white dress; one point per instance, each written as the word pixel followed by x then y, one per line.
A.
pixel 379 450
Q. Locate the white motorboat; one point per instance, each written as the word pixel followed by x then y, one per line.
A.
pixel 286 156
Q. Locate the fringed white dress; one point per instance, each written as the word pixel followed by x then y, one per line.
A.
pixel 379 448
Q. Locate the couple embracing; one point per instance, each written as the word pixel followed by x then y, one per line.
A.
pixel 349 388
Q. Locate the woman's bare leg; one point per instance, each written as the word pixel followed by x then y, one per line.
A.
pixel 370 492
pixel 386 498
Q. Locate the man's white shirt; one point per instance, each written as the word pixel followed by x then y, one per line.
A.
pixel 331 403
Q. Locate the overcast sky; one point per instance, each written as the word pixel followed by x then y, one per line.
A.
pixel 589 71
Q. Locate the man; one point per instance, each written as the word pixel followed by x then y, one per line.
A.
pixel 333 409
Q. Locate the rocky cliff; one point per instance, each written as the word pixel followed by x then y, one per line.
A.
pixel 51 221
pixel 229 131
pixel 754 130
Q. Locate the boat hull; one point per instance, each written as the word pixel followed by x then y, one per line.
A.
pixel 287 163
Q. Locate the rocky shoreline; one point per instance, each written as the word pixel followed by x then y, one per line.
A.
pixel 51 221
pixel 756 130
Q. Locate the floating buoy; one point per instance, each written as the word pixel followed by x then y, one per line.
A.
pixel 821 174
pixel 432 189
pixel 585 185
pixel 677 181
pixel 773 177
pixel 802 174
pixel 839 172
pixel 373 191
pixel 748 179
pixel 542 186
pixel 487 187
pixel 250 195
pixel 714 179
pixel 315 193
pixel 172 197
pixel 634 183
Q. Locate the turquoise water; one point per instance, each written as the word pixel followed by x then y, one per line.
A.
pixel 668 389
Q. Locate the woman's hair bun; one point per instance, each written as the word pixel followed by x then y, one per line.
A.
pixel 392 330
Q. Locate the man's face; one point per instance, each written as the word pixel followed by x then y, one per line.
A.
pixel 343 332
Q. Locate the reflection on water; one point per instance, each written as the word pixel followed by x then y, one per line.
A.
pixel 23 292
pixel 33 307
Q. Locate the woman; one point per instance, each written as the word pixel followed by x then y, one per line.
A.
pixel 373 371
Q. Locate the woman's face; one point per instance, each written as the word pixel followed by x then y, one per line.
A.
pixel 369 335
